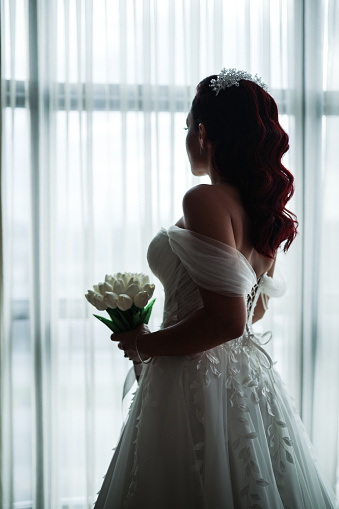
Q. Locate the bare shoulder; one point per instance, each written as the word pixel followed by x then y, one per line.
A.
pixel 215 195
pixel 198 189
pixel 217 211
pixel 208 211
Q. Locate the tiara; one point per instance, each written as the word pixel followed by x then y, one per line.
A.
pixel 229 77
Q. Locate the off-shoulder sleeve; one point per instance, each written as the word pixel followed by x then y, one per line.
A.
pixel 211 264
pixel 273 287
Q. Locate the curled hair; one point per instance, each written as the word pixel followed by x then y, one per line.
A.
pixel 242 123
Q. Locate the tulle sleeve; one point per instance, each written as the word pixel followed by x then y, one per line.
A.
pixel 272 287
pixel 211 264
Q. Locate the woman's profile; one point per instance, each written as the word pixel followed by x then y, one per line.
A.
pixel 211 425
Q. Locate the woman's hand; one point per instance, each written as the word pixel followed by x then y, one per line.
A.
pixel 126 342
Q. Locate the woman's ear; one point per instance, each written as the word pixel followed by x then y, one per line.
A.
pixel 202 136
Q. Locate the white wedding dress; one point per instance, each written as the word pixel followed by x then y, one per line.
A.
pixel 214 430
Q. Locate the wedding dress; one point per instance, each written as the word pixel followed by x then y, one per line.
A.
pixel 214 430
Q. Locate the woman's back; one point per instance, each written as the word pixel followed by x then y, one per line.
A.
pixel 227 205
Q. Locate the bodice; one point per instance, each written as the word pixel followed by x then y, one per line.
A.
pixel 182 295
pixel 179 278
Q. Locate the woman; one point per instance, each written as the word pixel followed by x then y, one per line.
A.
pixel 211 425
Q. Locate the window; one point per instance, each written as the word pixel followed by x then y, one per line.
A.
pixel 95 97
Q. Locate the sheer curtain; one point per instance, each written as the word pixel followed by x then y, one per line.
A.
pixel 94 102
pixel 326 240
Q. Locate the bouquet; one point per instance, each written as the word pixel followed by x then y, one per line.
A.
pixel 125 298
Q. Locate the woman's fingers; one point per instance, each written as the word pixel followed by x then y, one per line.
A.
pixel 126 341
pixel 115 337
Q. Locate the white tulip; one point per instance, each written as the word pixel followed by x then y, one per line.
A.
pixel 90 296
pixel 119 286
pixel 126 278
pixel 104 287
pixel 109 279
pixel 149 289
pixel 124 302
pixel 110 298
pixel 130 282
pixel 99 303
pixel 144 280
pixel 141 299
pixel 132 290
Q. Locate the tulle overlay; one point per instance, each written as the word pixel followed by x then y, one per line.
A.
pixel 215 430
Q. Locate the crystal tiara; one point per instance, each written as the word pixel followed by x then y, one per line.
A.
pixel 231 77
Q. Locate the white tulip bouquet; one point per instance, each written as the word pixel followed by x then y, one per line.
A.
pixel 125 298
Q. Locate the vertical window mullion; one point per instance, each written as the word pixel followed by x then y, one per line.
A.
pixel 35 303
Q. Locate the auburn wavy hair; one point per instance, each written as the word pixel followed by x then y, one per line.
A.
pixel 242 123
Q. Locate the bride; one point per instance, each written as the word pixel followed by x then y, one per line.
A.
pixel 211 425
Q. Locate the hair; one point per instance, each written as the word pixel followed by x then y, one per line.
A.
pixel 242 123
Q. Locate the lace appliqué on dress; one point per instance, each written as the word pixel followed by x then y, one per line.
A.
pixel 255 386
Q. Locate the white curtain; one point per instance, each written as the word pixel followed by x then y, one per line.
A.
pixel 94 101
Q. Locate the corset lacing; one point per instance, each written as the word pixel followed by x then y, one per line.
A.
pixel 256 339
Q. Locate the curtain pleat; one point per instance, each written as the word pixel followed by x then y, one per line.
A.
pixel 326 227
pixel 7 154
pixel 87 213
pixel 95 97
pixel 37 306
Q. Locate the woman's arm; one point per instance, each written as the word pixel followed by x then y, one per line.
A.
pixel 200 331
pixel 220 320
